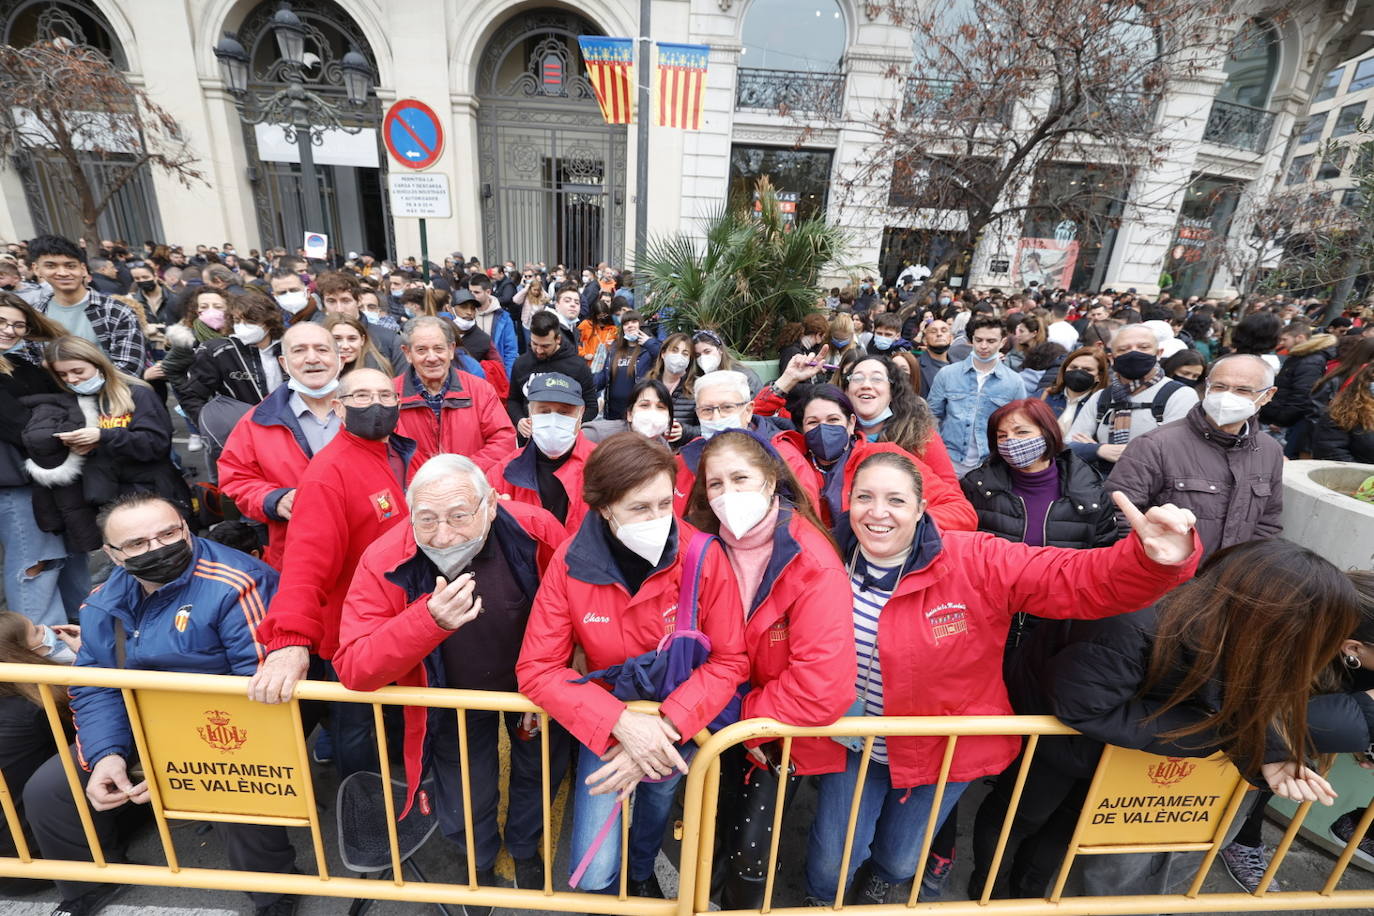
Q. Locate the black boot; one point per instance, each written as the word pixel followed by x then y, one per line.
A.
pixel 742 892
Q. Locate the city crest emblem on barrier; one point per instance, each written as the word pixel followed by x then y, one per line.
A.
pixel 219 733
pixel 1170 770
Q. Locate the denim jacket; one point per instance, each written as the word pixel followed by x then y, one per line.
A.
pixel 963 410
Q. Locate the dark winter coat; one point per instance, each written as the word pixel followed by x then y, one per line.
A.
pixel 567 361
pixel 1293 401
pixel 59 500
pixel 1332 443
pixel 135 454
pixel 24 378
pixel 226 366
pixel 1082 516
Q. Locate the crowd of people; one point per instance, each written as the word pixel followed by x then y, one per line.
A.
pixel 525 479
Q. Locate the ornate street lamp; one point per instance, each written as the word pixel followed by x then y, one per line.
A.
pixel 303 115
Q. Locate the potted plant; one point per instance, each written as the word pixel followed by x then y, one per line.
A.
pixel 756 271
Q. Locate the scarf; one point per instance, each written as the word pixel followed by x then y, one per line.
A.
pixel 204 332
pixel 1122 392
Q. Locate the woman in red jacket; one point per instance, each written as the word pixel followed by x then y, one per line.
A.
pixel 612 589
pixel 931 611
pixel 825 453
pixel 797 629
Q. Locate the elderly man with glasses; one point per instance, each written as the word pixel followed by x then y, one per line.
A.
pixel 352 493
pixel 443 602
pixel 175 602
pixel 1218 461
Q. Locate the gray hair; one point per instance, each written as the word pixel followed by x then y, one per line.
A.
pixel 724 378
pixel 1258 360
pixel 1138 327
pixel 429 321
pixel 443 466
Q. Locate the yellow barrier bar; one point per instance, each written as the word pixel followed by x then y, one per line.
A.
pixel 933 821
pixel 843 884
pixel 21 845
pixel 624 847
pixel 1143 849
pixel 1342 861
pixel 705 834
pixel 1237 796
pixel 778 804
pixel 1015 805
pixel 220 817
pixel 388 794
pixel 154 793
pixel 1281 853
pixel 311 812
pixel 1098 775
pixel 469 841
pixel 64 752
pixel 547 811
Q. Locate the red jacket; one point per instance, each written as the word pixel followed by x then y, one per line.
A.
pixel 516 477
pixel 262 461
pixel 583 601
pixel 386 634
pixel 946 503
pixel 475 422
pixel 768 403
pixel 350 495
pixel 689 456
pixel 800 639
pixel 943 632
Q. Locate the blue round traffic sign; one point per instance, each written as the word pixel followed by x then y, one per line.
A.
pixel 412 134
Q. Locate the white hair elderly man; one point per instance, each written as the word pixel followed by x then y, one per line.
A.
pixel 1217 461
pixel 723 402
pixel 443 602
pixel 1140 398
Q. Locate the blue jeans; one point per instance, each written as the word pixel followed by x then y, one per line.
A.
pixel 888 832
pixel 37 597
pixel 649 810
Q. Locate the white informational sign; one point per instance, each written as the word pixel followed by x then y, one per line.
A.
pixel 419 195
pixel 316 245
pixel 338 147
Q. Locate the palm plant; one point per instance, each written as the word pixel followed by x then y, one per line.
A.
pixel 755 272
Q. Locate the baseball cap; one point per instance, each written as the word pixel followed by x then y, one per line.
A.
pixel 556 387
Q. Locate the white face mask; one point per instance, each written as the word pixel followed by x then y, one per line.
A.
pixel 465 324
pixel 293 301
pixel 249 334
pixel 710 427
pixel 553 433
pixel 675 363
pixel 647 539
pixel 650 423
pixel 708 362
pixel 452 560
pixel 1228 407
pixel 741 510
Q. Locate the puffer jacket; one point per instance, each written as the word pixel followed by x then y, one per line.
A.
pixel 1082 516
pixel 1331 443
pixel 951 612
pixel 59 500
pixel 134 453
pixel 1293 399
pixel 225 366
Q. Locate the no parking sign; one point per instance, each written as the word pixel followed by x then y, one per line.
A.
pixel 412 134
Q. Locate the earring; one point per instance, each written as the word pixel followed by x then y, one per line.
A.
pixel 1351 661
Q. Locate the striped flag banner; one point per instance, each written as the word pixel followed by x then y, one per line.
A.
pixel 610 67
pixel 681 84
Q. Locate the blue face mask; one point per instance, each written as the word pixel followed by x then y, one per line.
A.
pixel 839 344
pixel 880 418
pixel 323 391
pixel 883 343
pixel 91 385
pixel 827 442
pixel 944 300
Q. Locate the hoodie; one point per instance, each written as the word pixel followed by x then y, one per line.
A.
pixel 567 361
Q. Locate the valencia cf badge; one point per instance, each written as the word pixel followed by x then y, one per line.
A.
pixel 183 617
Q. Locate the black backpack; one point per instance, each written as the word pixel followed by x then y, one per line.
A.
pixel 1156 406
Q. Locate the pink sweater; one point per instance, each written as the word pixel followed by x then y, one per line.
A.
pixel 750 554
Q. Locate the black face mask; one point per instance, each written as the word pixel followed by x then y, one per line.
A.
pixel 161 564
pixel 937 350
pixel 375 421
pixel 147 285
pixel 1079 380
pixel 1135 364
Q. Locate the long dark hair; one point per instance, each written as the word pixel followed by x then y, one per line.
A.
pixel 1263 619
pixel 912 423
pixel 14 650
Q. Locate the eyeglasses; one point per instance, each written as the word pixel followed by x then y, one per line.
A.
pixel 428 522
pixel 873 378
pixel 719 410
pixel 1214 388
pixel 136 546
pixel 18 327
pixel 364 398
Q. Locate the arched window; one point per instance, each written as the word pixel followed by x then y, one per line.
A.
pixel 29 21
pixel 798 35
pixel 1252 65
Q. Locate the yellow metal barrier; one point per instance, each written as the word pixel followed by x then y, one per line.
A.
pixel 271 785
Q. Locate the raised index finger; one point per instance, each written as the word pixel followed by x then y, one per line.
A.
pixel 1134 517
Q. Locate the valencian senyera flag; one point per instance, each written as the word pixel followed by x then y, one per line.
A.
pixel 681 84
pixel 610 67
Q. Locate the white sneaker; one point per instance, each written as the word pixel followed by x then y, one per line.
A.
pixel 194 443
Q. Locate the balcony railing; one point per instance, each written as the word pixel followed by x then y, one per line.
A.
pixel 1239 126
pixel 786 91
